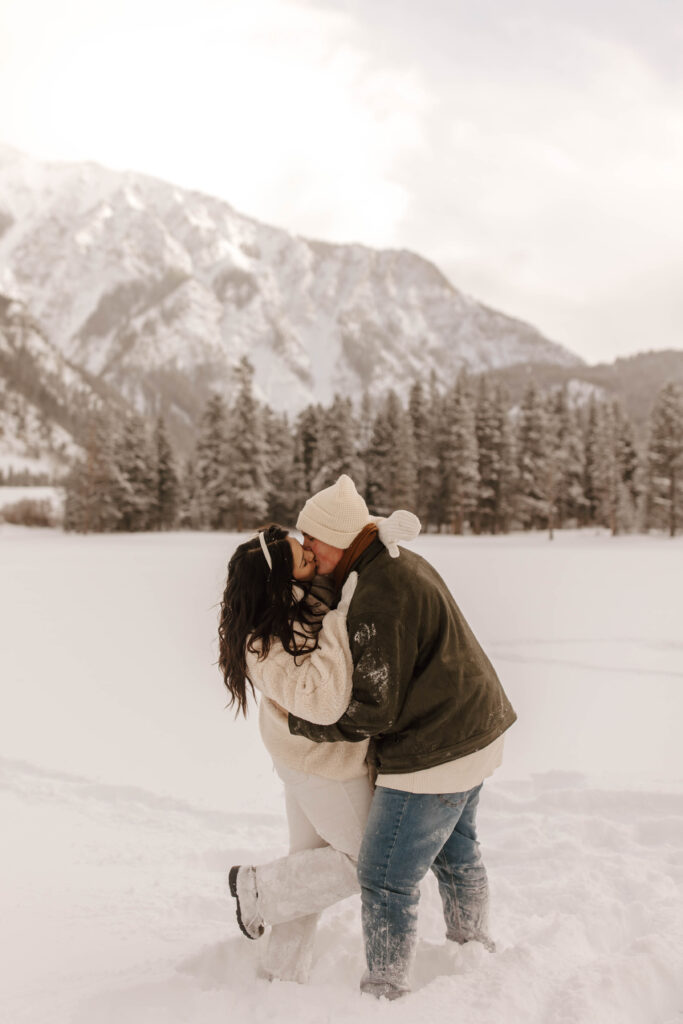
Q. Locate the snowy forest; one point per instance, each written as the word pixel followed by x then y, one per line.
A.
pixel 463 461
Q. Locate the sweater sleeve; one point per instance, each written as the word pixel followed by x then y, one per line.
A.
pixel 384 656
pixel 315 686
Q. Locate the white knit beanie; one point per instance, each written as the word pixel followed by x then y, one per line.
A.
pixel 335 515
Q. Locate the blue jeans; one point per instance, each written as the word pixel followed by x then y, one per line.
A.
pixel 406 835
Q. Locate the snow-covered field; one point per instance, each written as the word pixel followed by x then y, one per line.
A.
pixel 128 790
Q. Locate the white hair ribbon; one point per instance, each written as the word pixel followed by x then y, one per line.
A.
pixel 264 548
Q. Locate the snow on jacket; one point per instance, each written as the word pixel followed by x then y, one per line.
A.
pixel 423 687
pixel 315 686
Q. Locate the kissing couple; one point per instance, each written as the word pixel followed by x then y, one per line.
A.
pixel 383 717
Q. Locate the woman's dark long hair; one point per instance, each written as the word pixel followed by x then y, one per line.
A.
pixel 259 606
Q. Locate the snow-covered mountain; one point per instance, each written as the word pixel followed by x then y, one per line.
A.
pixel 158 291
pixel 43 399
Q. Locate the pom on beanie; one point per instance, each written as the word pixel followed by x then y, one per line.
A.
pixel 335 515
pixel 400 525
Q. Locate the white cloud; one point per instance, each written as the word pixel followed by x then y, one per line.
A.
pixel 559 197
pixel 281 113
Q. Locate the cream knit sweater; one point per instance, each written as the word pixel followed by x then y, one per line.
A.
pixel 317 687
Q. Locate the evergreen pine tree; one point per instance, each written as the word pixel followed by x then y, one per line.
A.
pixel 606 485
pixel 621 493
pixel 338 446
pixel 504 504
pixel 459 455
pixel 247 456
pixel 404 462
pixel 627 452
pixel 610 467
pixel 437 399
pixel 377 462
pixel 285 493
pixel 94 487
pixel 210 501
pixel 391 462
pixel 568 444
pixel 135 460
pixel 307 444
pixel 556 457
pixel 189 511
pixel 592 483
pixel 665 459
pixel 167 483
pixel 495 460
pixel 422 419
pixel 487 428
pixel 366 419
pixel 439 514
pixel 535 489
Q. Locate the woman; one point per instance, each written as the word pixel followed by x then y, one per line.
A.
pixel 276 635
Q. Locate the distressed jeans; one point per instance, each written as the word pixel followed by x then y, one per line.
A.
pixel 406 835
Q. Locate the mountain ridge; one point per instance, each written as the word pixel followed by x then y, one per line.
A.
pixel 151 293
pixel 635 380
pixel 100 257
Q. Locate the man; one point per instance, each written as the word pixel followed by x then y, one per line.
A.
pixel 432 704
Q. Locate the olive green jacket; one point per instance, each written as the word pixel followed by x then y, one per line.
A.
pixel 423 688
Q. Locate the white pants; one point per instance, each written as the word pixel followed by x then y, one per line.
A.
pixel 326 820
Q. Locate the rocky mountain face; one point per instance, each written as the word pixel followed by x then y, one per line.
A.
pixel 152 293
pixel 44 400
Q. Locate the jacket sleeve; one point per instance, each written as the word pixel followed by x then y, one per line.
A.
pixel 384 655
pixel 316 686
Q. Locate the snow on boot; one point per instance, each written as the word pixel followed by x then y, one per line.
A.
pixel 242 882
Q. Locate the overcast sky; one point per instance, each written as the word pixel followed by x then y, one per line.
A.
pixel 533 149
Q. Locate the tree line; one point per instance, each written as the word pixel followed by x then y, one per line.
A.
pixel 462 459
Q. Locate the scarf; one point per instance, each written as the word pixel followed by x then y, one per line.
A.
pixel 360 543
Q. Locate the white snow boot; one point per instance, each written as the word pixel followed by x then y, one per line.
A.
pixel 242 882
